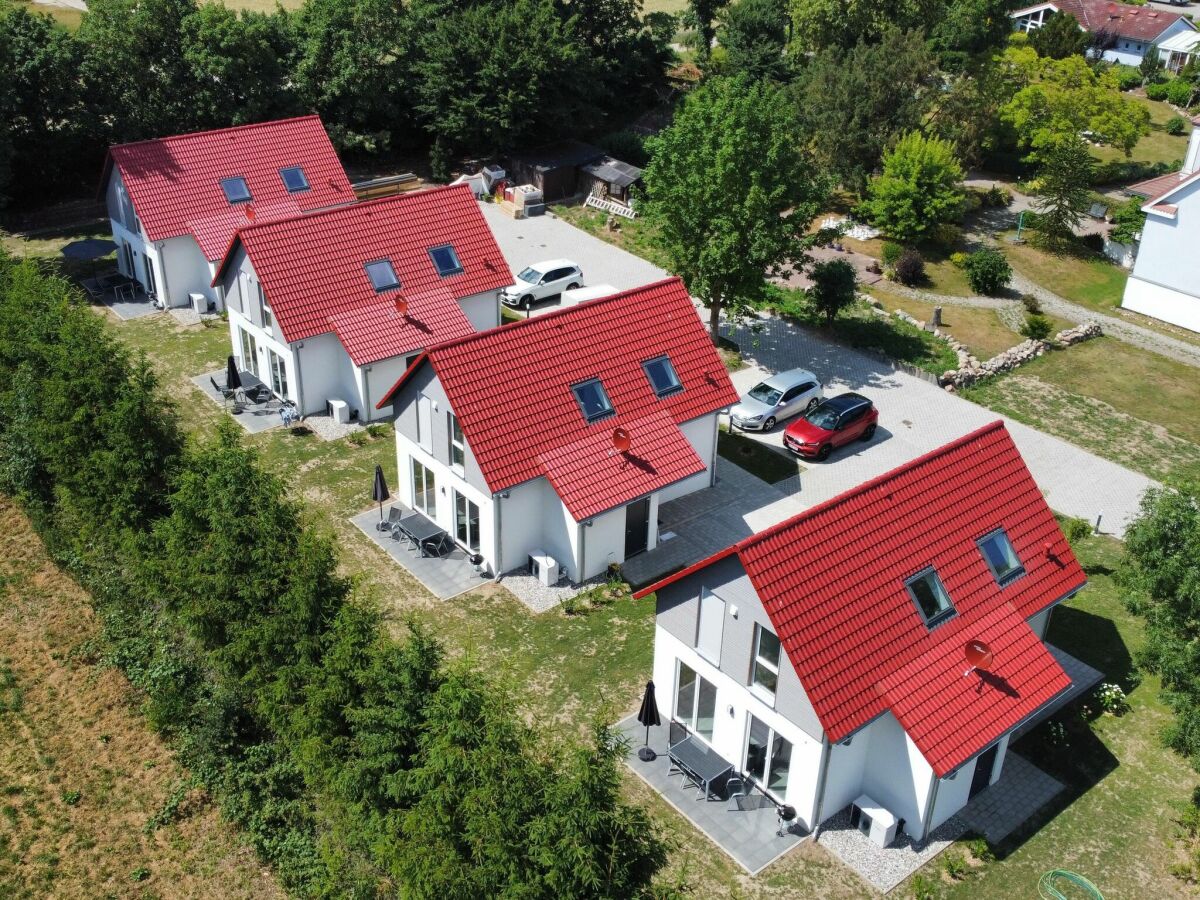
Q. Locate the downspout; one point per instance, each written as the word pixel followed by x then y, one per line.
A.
pixel 367 407
pixel 826 751
pixel 581 529
pixel 299 378
pixel 496 542
pixel 165 284
pixel 712 462
pixel 929 806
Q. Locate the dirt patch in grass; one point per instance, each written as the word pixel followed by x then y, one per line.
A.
pixel 757 458
pixel 80 774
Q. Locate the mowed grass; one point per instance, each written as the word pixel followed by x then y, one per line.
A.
pixel 981 330
pixel 1090 281
pixel 80 774
pixel 941 275
pixel 1136 408
pixel 1157 146
pixel 634 235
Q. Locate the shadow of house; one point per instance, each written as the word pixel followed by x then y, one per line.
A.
pixel 1095 640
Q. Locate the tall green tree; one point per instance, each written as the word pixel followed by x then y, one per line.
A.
pixel 1059 37
pixel 754 34
pixel 834 288
pixel 730 192
pixel 918 189
pixel 969 31
pixel 821 25
pixel 1064 189
pixel 852 104
pixel 1161 575
pixel 702 15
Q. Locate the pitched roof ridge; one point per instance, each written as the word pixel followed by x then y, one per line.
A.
pixel 866 486
pixel 209 131
pixel 553 315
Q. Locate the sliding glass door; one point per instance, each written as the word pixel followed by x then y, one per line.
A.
pixel 768 757
pixel 424 490
pixel 695 701
pixel 466 522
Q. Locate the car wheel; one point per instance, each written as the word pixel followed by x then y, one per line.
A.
pixel 526 302
pixel 769 424
pixel 572 286
pixel 868 432
pixel 823 453
pixel 811 403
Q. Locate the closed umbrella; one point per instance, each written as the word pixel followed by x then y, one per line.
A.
pixel 379 493
pixel 648 715
pixel 233 380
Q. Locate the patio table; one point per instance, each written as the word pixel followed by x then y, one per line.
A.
pixel 423 532
pixel 699 762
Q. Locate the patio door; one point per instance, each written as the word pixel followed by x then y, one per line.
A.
pixel 983 770
pixel 466 523
pixel 695 701
pixel 249 353
pixel 149 280
pixel 768 758
pixel 424 490
pixel 278 374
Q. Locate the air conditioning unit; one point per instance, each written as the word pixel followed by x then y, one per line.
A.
pixel 873 820
pixel 543 567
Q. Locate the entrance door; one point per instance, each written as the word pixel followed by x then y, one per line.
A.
pixel 637 526
pixel 983 770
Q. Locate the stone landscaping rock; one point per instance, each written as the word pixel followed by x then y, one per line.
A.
pixel 970 370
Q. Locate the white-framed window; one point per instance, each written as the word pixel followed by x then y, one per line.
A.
pixel 764 669
pixel 466 522
pixel 930 597
pixel 458 443
pixel 279 384
pixel 710 623
pixel 425 423
pixel 695 700
pixel 249 353
pixel 1000 556
pixel 768 757
pixel 424 489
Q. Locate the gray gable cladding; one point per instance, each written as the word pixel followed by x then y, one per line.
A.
pixel 404 407
pixel 678 610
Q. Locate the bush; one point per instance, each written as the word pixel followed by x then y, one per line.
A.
pixel 945 235
pixel 1128 77
pixel 627 146
pixel 1112 699
pixel 891 253
pixel 981 849
pixel 909 268
pixel 958 260
pixel 1031 303
pixel 1094 242
pixel 1156 91
pixel 997 196
pixel 955 866
pixel 923 888
pixel 1179 92
pixel 1037 327
pixel 1176 125
pixel 1076 529
pixel 988 272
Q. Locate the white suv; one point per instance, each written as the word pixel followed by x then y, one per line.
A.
pixel 542 280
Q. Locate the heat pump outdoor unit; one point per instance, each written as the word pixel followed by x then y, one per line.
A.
pixel 544 568
pixel 873 820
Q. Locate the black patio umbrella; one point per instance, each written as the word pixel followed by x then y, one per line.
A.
pixel 233 380
pixel 379 492
pixel 88 249
pixel 648 715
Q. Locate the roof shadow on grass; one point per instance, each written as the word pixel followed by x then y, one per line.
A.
pixel 1094 640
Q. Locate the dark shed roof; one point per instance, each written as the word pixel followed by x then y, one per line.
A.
pixel 613 171
pixel 563 154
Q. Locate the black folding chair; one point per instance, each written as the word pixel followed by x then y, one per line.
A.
pixel 227 395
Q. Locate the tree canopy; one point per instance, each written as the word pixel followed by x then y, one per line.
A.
pixel 917 190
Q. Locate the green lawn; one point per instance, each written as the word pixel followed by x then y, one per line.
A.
pixel 1157 146
pixel 634 235
pixel 769 464
pixel 942 276
pixel 1090 281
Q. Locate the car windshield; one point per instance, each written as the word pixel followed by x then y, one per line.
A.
pixel 531 276
pixel 823 417
pixel 764 393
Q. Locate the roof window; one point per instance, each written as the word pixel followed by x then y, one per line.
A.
pixel 294 179
pixel 593 401
pixel 662 377
pixel 445 260
pixel 236 190
pixel 930 597
pixel 1000 556
pixel 382 275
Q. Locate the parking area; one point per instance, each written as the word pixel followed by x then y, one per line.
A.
pixel 915 415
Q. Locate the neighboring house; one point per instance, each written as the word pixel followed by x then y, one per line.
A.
pixel 824 657
pixel 1178 51
pixel 1165 282
pixel 175 202
pixel 560 436
pixel 1127 32
pixel 334 305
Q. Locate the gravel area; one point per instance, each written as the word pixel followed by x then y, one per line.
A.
pixel 540 598
pixel 884 867
pixel 328 430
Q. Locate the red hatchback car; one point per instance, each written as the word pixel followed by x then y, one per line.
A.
pixel 834 423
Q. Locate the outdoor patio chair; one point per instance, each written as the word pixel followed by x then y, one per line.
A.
pixel 395 514
pixel 736 789
pixel 227 395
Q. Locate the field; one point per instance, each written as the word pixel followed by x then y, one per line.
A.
pixel 80 775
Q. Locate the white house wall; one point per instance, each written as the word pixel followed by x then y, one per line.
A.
pixel 702 435
pixel 603 542
pixel 1161 302
pixel 186 269
pixel 1165 282
pixel 896 775
pixel 733 706
pixel 374 381
pixel 328 374
pixel 528 522
pixel 482 310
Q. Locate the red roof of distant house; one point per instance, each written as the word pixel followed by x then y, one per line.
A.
pixel 312 267
pixel 510 388
pixel 175 182
pixel 1139 23
pixel 380 331
pixel 832 580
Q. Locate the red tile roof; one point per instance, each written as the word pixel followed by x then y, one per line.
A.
pixel 832 581
pixel 378 331
pixel 1139 23
pixel 312 266
pixel 1155 187
pixel 175 182
pixel 511 390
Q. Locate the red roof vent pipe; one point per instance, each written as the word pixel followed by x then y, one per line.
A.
pixel 250 211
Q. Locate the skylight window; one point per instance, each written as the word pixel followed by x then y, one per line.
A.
pixel 593 401
pixel 294 179
pixel 445 260
pixel 382 275
pixel 662 376
pixel 998 552
pixel 931 598
pixel 236 190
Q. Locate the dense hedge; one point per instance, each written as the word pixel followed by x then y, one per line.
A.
pixel 358 765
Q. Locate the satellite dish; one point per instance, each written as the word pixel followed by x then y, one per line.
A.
pixel 621 440
pixel 979 656
pixel 249 208
pixel 401 306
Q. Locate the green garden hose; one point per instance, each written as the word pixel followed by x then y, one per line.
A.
pixel 1048 890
